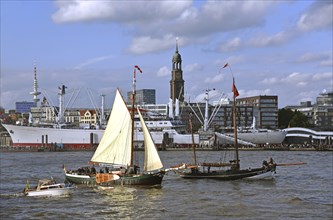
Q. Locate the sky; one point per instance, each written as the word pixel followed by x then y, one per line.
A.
pixel 281 48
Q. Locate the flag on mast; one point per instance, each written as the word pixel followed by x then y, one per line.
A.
pixel 138 68
pixel 234 89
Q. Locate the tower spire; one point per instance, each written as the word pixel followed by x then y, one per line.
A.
pixel 177 45
pixel 177 81
pixel 35 91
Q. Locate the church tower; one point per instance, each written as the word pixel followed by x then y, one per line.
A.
pixel 177 82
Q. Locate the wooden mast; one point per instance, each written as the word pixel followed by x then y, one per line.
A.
pixel 132 117
pixel 235 129
pixel 193 143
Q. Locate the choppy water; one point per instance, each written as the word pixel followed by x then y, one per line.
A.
pixel 297 192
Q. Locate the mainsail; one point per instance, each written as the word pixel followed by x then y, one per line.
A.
pixel 152 159
pixel 115 145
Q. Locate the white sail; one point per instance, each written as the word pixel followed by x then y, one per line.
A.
pixel 115 145
pixel 152 159
pixel 170 108
pixel 177 108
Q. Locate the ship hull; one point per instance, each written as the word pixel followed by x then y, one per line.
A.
pixel 37 137
pixel 80 179
pixel 258 173
pixel 129 179
pixel 24 136
pixel 268 137
pixel 137 179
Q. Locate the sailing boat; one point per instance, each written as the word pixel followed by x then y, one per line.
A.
pixel 116 150
pixel 233 172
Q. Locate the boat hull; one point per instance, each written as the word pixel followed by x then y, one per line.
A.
pixel 50 190
pixel 258 173
pixel 129 179
pixel 137 179
pixel 80 179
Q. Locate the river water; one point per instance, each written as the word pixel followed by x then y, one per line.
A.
pixel 296 192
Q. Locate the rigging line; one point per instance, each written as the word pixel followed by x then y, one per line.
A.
pixel 93 103
pixel 210 120
pixel 215 111
pixel 200 111
pixel 77 95
pixel 49 100
pixel 70 100
pixel 195 114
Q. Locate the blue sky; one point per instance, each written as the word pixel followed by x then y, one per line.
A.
pixel 279 48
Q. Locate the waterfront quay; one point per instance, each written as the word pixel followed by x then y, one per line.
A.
pixel 278 147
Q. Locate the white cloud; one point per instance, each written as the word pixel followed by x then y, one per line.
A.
pixel 232 60
pixel 163 71
pixel 193 67
pixel 270 81
pixel 328 62
pixel 92 61
pixel 230 45
pixel 318 16
pixel 213 94
pixel 277 39
pixel 249 93
pixel 323 76
pixel 215 79
pixel 297 79
pixel 310 57
pixel 297 87
pixel 118 11
pixel 147 44
pixel 156 22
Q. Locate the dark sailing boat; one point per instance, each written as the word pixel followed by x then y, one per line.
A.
pixel 116 151
pixel 206 170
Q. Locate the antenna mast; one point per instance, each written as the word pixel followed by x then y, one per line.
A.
pixel 35 92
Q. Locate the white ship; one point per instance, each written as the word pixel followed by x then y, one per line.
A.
pixel 165 133
pixel 37 137
pixel 261 136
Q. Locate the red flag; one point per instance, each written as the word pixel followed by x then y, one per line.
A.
pixel 234 89
pixel 225 65
pixel 138 68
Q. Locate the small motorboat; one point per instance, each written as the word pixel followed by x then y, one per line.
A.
pixel 48 187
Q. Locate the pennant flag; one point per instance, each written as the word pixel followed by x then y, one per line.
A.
pixel 137 67
pixel 234 89
pixel 225 65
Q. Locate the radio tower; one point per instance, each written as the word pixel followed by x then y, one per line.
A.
pixel 35 93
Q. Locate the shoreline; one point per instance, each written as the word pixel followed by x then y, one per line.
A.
pixel 328 148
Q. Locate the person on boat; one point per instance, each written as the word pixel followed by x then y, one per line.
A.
pixel 122 171
pixel 194 170
pixel 271 162
pixel 264 163
pixel 136 169
pixel 234 165
pixel 130 170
